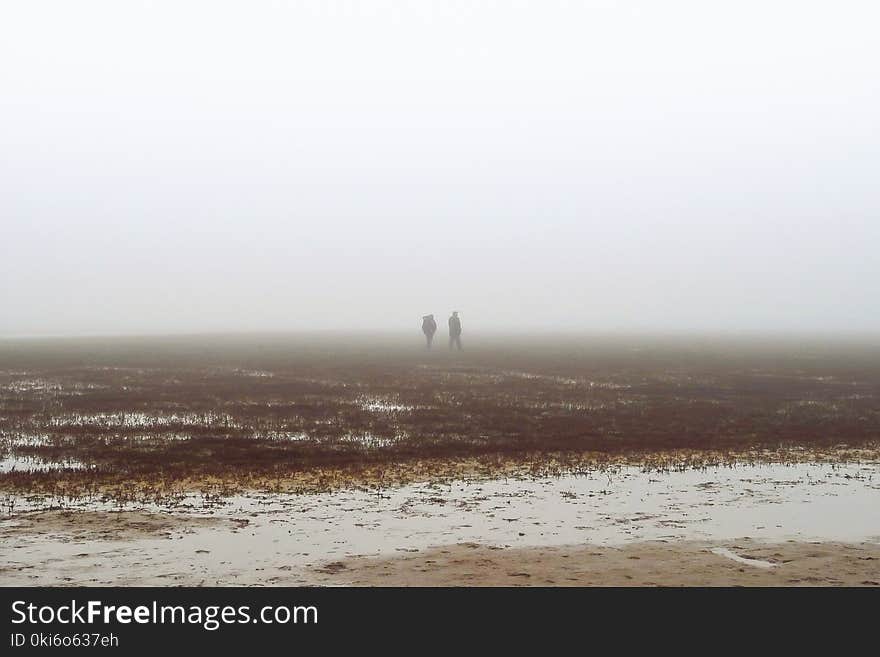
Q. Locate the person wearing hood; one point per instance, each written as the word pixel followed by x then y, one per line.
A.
pixel 429 328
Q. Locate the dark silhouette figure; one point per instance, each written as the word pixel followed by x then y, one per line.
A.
pixel 455 331
pixel 429 328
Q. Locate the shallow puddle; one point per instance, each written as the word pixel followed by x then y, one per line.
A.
pixel 14 463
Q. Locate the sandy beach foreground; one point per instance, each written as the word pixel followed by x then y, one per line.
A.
pixel 750 524
pixel 112 549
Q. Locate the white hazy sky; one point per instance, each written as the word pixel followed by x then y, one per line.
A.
pixel 205 166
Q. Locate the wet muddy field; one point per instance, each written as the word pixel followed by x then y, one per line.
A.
pixel 150 416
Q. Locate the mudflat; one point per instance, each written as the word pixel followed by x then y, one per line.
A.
pixel 154 418
pixel 278 459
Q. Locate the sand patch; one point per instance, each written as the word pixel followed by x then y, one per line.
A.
pixel 654 563
pixel 69 525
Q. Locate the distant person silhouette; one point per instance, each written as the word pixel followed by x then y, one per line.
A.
pixel 455 330
pixel 429 328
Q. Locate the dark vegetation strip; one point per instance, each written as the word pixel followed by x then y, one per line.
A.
pixel 170 410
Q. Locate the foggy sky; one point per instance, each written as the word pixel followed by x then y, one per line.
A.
pixel 219 166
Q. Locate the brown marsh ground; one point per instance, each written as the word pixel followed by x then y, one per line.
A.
pixel 131 418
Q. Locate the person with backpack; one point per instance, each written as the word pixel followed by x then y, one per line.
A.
pixel 429 328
